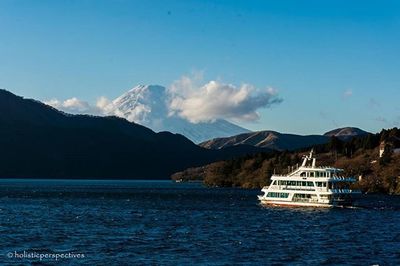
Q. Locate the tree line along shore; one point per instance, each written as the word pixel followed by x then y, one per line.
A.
pixel 373 159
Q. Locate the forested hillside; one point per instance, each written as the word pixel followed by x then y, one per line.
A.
pixel 359 157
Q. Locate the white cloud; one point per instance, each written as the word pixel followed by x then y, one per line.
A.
pixel 217 100
pixel 347 94
pixel 186 85
pixel 75 106
pixel 103 103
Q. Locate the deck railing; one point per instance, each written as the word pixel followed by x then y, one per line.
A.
pixel 317 189
pixel 277 187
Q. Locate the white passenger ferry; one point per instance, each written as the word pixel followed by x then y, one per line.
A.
pixel 310 185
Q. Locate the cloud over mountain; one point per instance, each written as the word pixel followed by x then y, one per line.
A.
pixel 189 100
pixel 148 106
pixel 217 100
pixel 75 106
pixel 200 112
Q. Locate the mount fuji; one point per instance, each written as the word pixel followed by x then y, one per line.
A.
pixel 148 105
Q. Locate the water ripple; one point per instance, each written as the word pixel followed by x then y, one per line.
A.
pixel 169 224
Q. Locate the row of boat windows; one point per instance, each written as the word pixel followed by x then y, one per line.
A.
pixel 316 174
pixel 299 183
pixel 302 196
pixel 296 196
pixel 277 195
pixel 294 183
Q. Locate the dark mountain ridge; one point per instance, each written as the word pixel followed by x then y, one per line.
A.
pixel 267 139
pixel 281 141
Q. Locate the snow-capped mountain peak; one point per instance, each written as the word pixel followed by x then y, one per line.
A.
pixel 148 105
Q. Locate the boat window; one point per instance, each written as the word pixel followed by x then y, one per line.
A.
pixel 312 174
pixel 277 195
pixel 310 184
pixel 304 183
pixel 303 174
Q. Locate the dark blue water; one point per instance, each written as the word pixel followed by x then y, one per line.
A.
pixel 130 223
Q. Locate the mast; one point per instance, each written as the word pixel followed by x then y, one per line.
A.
pixel 309 158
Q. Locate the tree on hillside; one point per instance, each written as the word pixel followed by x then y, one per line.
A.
pixel 335 146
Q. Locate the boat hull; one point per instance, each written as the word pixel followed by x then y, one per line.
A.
pixel 289 203
pixel 296 204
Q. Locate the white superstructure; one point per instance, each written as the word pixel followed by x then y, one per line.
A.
pixel 310 185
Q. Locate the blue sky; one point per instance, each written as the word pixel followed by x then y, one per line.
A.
pixel 334 63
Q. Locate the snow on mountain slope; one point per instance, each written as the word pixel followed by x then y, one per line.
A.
pixel 147 105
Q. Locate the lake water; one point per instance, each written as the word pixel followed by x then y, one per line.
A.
pixel 164 223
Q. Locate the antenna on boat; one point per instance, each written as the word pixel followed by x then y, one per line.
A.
pixel 309 158
pixel 314 163
pixel 314 160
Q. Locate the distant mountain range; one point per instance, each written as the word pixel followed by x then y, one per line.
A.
pixel 147 105
pixel 279 141
pixel 38 141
